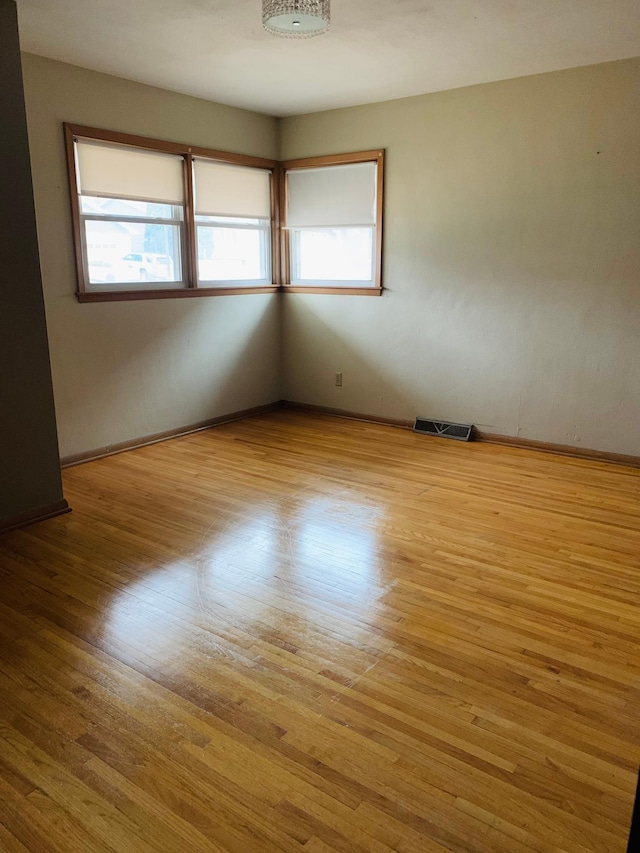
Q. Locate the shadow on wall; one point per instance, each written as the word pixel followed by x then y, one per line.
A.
pixel 522 345
pixel 317 345
pixel 424 353
pixel 132 369
pixel 251 362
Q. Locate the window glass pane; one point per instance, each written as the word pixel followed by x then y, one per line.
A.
pixel 232 254
pixel 333 254
pixel 120 207
pixel 126 252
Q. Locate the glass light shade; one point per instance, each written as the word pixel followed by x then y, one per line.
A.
pixel 296 18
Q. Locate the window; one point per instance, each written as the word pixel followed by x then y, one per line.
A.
pixel 333 223
pixel 130 199
pixel 233 223
pixel 155 219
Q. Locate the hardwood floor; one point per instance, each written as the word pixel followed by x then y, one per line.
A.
pixel 302 633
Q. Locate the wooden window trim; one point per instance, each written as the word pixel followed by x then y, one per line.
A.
pixel 72 132
pixel 339 291
pixel 375 155
pixel 168 293
pixel 334 159
pixel 280 243
pixel 190 233
pixel 166 147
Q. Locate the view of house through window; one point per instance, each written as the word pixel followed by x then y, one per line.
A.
pixel 132 215
pixel 132 241
pixel 152 217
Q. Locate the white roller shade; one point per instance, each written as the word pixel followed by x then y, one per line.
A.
pixel 122 172
pixel 332 196
pixel 234 191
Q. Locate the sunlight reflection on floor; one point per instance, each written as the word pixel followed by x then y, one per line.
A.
pixel 321 551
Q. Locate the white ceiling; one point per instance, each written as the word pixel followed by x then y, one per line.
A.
pixel 374 51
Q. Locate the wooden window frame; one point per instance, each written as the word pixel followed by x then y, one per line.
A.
pixel 73 132
pixel 280 243
pixel 376 156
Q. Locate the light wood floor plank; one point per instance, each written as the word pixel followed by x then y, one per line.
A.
pixel 300 633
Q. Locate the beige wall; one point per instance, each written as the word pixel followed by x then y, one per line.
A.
pixel 512 267
pixel 512 261
pixel 124 370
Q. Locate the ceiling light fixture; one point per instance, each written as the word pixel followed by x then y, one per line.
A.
pixel 296 19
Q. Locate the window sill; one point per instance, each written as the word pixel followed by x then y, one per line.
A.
pixel 181 293
pixel 334 291
pixel 195 292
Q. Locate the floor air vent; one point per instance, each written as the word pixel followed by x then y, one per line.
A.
pixel 461 432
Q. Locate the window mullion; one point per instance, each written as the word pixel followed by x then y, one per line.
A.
pixel 284 240
pixel 274 254
pixel 190 249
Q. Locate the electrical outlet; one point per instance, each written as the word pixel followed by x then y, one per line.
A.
pixel 339 379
